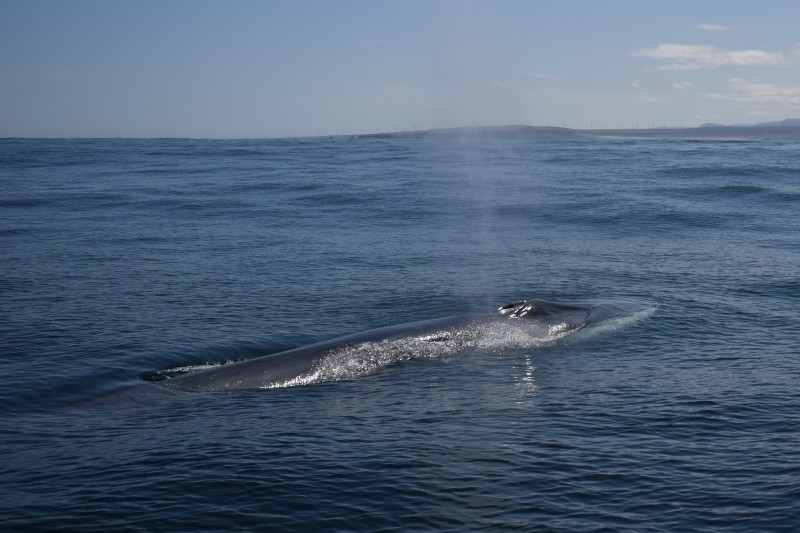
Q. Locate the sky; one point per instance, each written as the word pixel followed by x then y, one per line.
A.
pixel 255 69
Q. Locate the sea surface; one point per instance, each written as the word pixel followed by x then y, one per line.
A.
pixel 121 260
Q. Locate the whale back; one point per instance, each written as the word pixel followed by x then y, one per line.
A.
pixel 523 324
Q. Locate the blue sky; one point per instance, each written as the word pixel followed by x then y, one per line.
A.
pixel 236 68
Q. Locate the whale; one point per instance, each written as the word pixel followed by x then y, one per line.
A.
pixel 521 325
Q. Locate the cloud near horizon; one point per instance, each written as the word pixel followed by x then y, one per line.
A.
pixel 713 27
pixel 760 94
pixel 704 56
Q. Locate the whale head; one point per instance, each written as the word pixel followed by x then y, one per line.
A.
pixel 540 309
pixel 575 316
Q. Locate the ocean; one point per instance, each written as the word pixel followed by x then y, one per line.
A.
pixel 126 259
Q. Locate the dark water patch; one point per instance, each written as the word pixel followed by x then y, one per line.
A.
pixel 782 289
pixel 24 202
pixel 733 190
pixel 688 172
pixel 329 200
pixel 599 216
pixel 699 219
pixel 14 231
pixel 785 196
pixel 83 201
pixel 195 207
pixel 716 193
pixel 268 185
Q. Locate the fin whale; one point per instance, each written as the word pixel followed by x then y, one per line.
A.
pixel 521 325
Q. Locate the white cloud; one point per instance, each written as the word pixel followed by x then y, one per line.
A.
pixel 758 93
pixel 700 56
pixel 794 54
pixel 713 27
pixel 683 85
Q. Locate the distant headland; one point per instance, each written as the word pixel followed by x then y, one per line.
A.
pixel 788 129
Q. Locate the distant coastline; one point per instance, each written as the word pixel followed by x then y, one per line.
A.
pixel 785 130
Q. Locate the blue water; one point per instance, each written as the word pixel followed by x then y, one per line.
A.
pixel 125 258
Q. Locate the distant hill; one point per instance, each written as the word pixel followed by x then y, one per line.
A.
pixel 782 123
pixel 793 122
pixel 788 129
pixel 495 132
